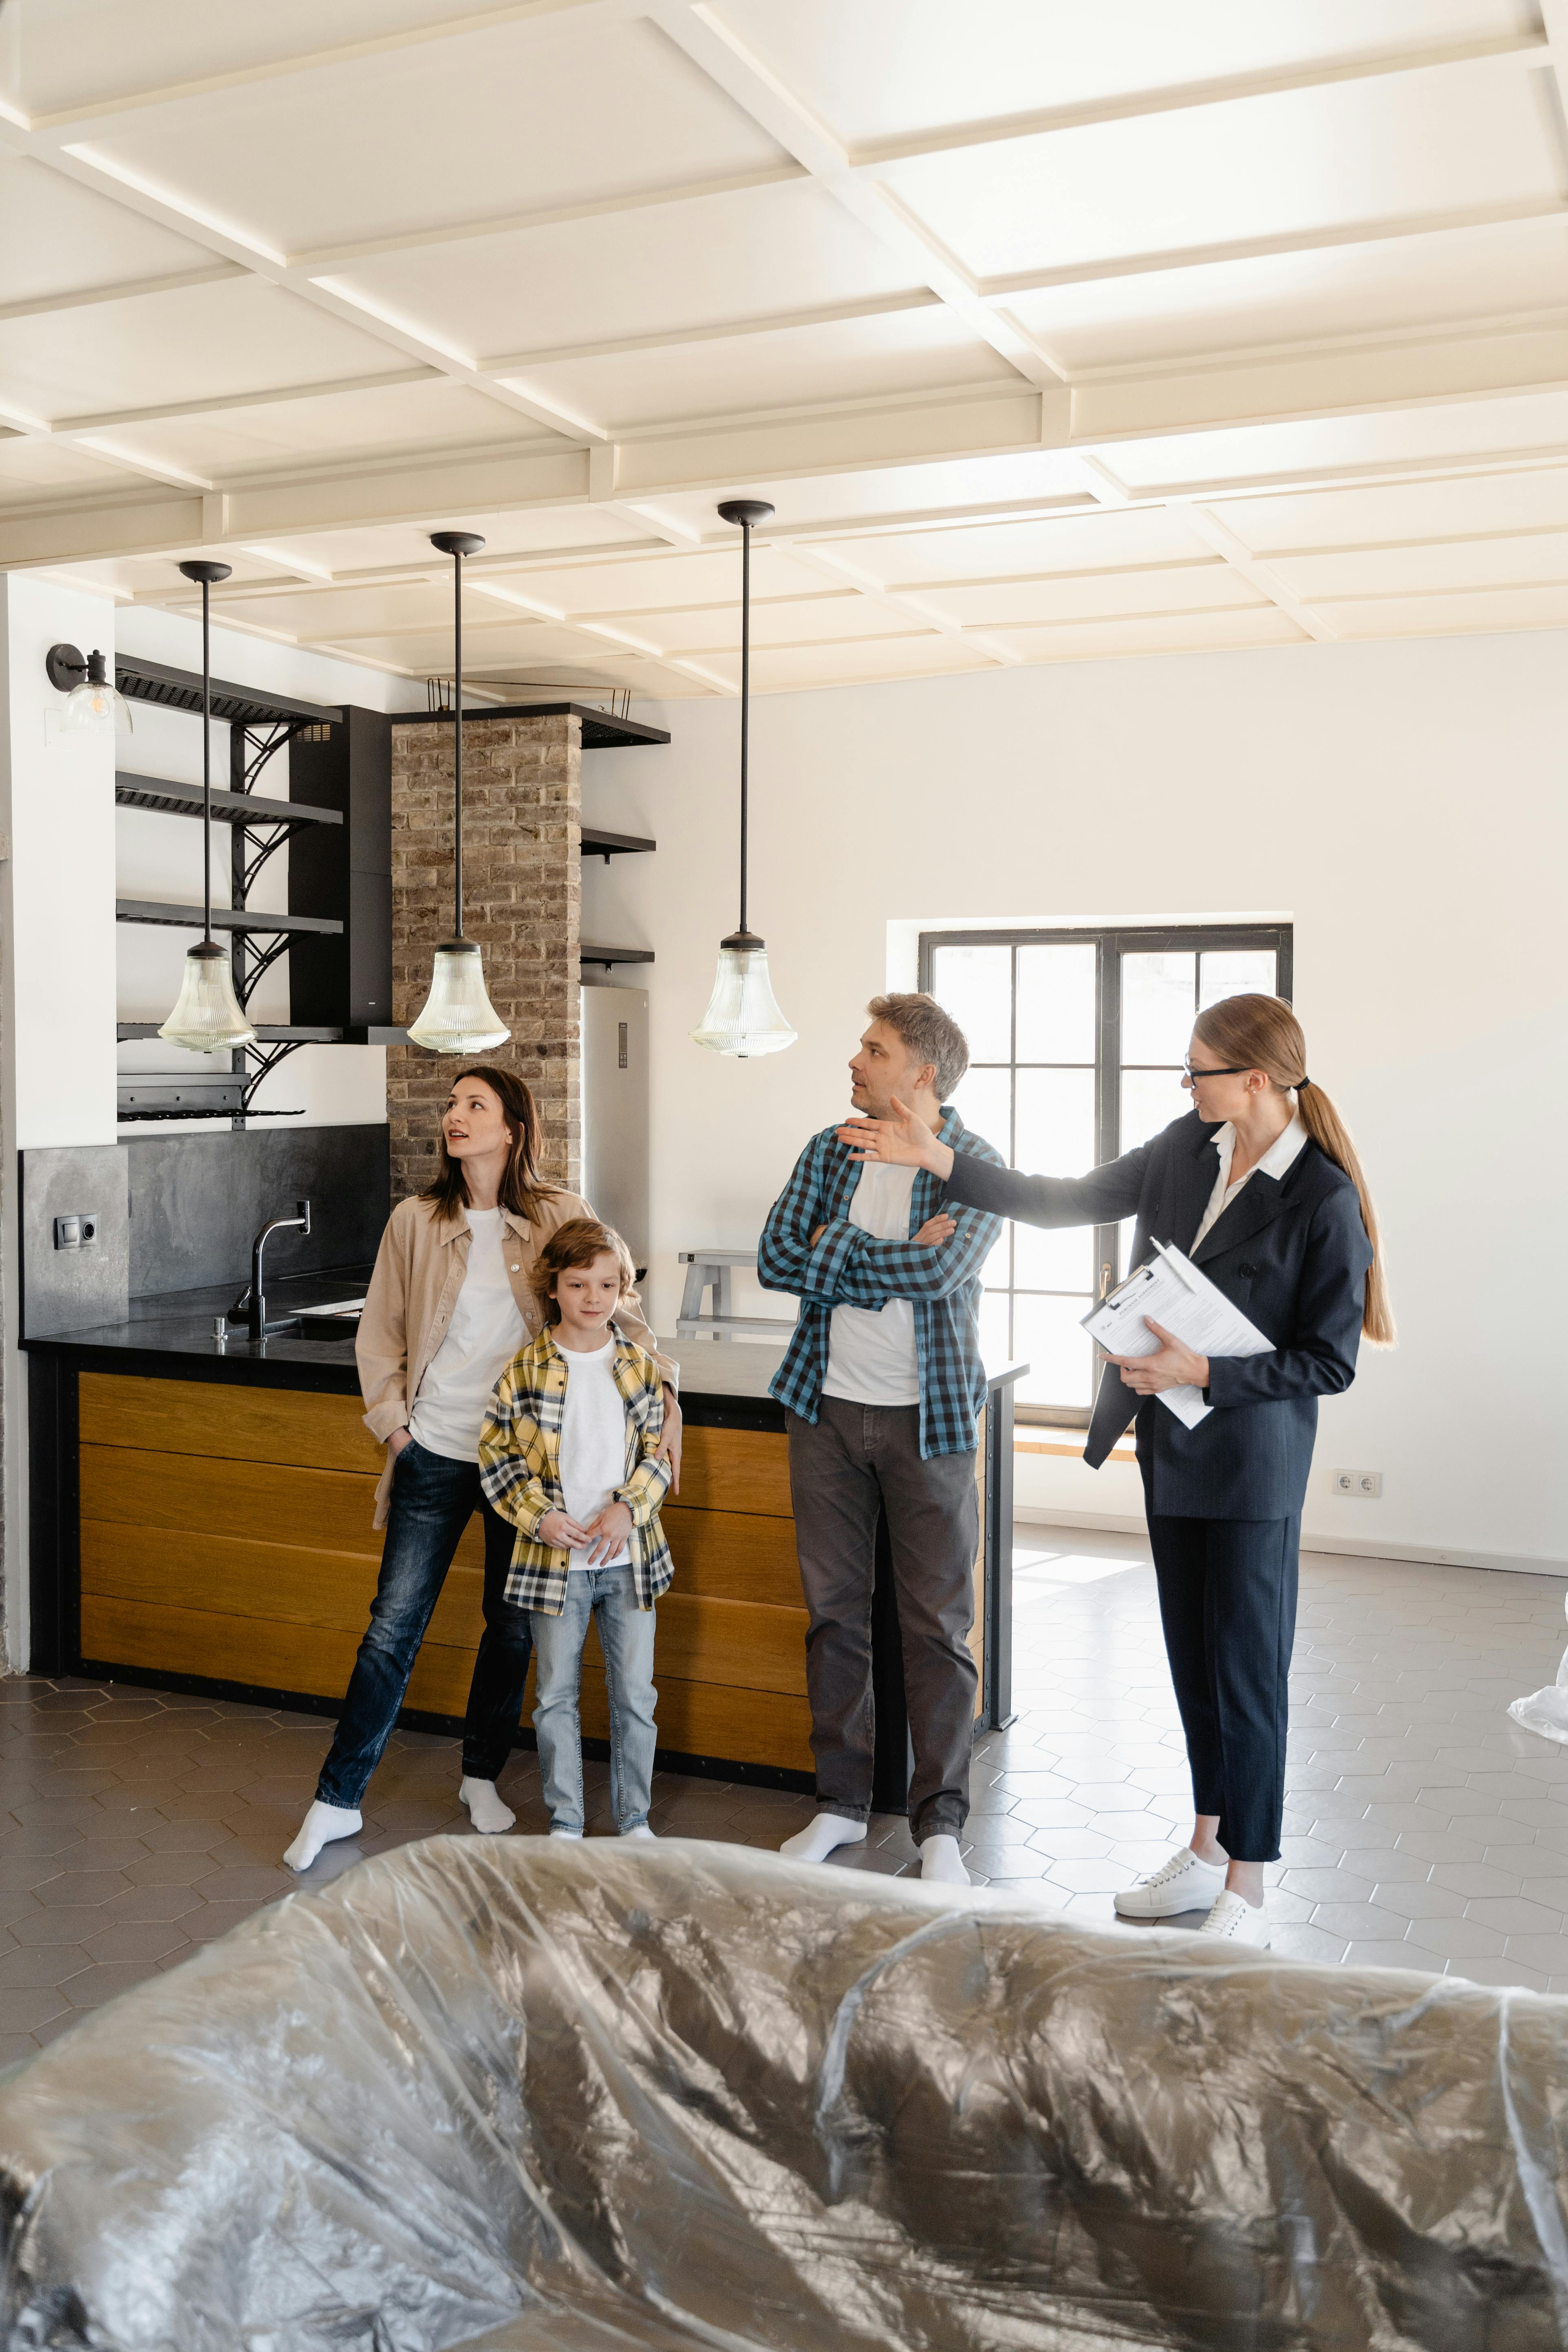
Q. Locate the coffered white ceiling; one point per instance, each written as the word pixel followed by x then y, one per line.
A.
pixel 1052 331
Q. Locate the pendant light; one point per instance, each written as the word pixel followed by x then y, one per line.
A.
pixel 207 1017
pixel 458 1015
pixel 742 1017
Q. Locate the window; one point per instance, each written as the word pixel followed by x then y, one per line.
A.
pixel 1077 1040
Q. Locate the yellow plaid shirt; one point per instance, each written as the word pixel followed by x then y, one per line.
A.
pixel 520 1468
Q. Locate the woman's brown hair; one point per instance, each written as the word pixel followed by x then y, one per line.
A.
pixel 523 1189
pixel 1261 1032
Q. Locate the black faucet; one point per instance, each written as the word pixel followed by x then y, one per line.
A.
pixel 253 1306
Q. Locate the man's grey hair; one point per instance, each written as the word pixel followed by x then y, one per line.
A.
pixel 930 1034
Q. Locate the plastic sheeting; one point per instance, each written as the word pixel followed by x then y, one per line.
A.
pixel 598 2096
pixel 1546 1711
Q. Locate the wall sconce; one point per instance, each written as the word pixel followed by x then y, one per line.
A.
pixel 91 693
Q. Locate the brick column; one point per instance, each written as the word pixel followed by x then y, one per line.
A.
pixel 522 808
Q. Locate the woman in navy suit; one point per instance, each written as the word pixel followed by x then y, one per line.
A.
pixel 1261 1186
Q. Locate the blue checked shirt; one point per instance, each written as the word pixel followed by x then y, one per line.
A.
pixel 849 1268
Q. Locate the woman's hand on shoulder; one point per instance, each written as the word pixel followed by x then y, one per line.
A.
pixel 903 1141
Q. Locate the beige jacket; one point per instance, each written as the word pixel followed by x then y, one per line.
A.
pixel 419 1270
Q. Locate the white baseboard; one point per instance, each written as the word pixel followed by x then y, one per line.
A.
pixel 1035 1515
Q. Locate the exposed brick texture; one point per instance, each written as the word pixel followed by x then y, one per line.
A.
pixel 522 808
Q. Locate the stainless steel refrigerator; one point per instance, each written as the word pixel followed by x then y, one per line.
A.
pixel 616 1112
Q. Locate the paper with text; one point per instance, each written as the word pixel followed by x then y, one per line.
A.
pixel 1173 1291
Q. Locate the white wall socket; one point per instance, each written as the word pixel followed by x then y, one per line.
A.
pixel 1365 1484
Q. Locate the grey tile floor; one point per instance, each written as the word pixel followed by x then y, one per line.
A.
pixel 1422 1829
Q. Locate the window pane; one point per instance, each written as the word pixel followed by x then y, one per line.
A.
pixel 1235 972
pixel 1157 1006
pixel 1056 1004
pixel 981 1100
pixel 1059 1354
pixel 993 1346
pixel 1055 1122
pixel 975 985
pixel 1055 1260
pixel 1151 1100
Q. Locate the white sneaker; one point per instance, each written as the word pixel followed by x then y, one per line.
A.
pixel 1186 1883
pixel 1238 1921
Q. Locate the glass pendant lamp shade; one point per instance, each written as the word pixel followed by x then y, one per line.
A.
pixel 207 1018
pixel 742 1016
pixel 458 1015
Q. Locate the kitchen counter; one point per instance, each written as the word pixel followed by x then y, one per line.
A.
pixel 202 1520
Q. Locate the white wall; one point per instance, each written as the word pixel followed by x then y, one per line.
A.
pixel 1403 804
pixel 160 857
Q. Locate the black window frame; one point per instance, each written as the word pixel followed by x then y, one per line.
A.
pixel 1111 943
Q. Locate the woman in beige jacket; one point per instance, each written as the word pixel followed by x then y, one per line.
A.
pixel 450 1305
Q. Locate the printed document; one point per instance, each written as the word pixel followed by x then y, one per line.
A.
pixel 1173 1291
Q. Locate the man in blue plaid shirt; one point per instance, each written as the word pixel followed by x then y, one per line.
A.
pixel 882 1385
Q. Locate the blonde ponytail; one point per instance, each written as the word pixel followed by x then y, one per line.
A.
pixel 1261 1032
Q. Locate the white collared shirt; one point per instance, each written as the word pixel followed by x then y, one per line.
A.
pixel 1278 1157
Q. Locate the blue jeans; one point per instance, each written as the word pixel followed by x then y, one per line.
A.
pixel 433 1499
pixel 625 1637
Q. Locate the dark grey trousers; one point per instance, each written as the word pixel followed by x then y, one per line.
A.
pixel 854 1461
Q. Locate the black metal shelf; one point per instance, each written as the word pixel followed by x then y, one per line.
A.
pixel 224 918
pixel 131 1033
pixel 601 730
pixel 170 799
pixel 596 844
pixel 608 956
pixel 240 706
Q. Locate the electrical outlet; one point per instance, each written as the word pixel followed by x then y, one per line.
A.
pixel 1365 1486
pixel 77 1232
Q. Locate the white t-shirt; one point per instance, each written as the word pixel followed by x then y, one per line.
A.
pixel 593 1441
pixel 871 1354
pixel 485 1333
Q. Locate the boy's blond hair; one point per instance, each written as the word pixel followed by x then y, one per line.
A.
pixel 578 1243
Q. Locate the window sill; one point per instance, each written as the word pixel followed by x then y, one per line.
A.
pixel 1071 1442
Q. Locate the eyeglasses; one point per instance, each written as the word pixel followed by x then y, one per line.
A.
pixel 1232 1070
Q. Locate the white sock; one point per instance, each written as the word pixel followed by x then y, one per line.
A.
pixel 939 1860
pixel 486 1810
pixel 320 1825
pixel 641 1830
pixel 821 1835
pixel 555 1832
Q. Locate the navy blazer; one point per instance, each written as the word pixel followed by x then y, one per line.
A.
pixel 1291 1251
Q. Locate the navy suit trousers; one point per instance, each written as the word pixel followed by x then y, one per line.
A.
pixel 1228 1601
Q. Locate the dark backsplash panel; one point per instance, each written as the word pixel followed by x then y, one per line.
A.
pixel 198 1201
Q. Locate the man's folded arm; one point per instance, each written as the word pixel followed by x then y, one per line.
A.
pixel 784 1252
pixel 868 1273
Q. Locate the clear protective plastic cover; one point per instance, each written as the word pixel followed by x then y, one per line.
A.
pixel 597 2096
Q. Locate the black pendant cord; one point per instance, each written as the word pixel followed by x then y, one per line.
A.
pixel 207 768
pixel 458 739
pixel 746 695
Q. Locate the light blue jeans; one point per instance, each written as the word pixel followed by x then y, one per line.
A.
pixel 626 1636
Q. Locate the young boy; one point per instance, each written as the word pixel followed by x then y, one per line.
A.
pixel 567 1454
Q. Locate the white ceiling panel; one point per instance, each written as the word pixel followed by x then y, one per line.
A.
pixel 1289 299
pixel 1107 538
pixel 668 269
pixel 59 238
pixel 1469 506
pixel 235 443
pixel 1160 633
pixel 864 661
pixel 428 652
pixel 1003 604
pixel 956 485
pixel 1538 560
pixel 1464 431
pixel 384 145
pixel 658 582
pixel 200 342
pixel 47 469
pixel 1281 165
pixel 1426 617
pixel 906 352
pixel 887 69
pixel 830 618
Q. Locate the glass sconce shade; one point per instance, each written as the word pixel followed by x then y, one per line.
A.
pixel 457 1016
pixel 94 703
pixel 742 1017
pixel 207 1019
